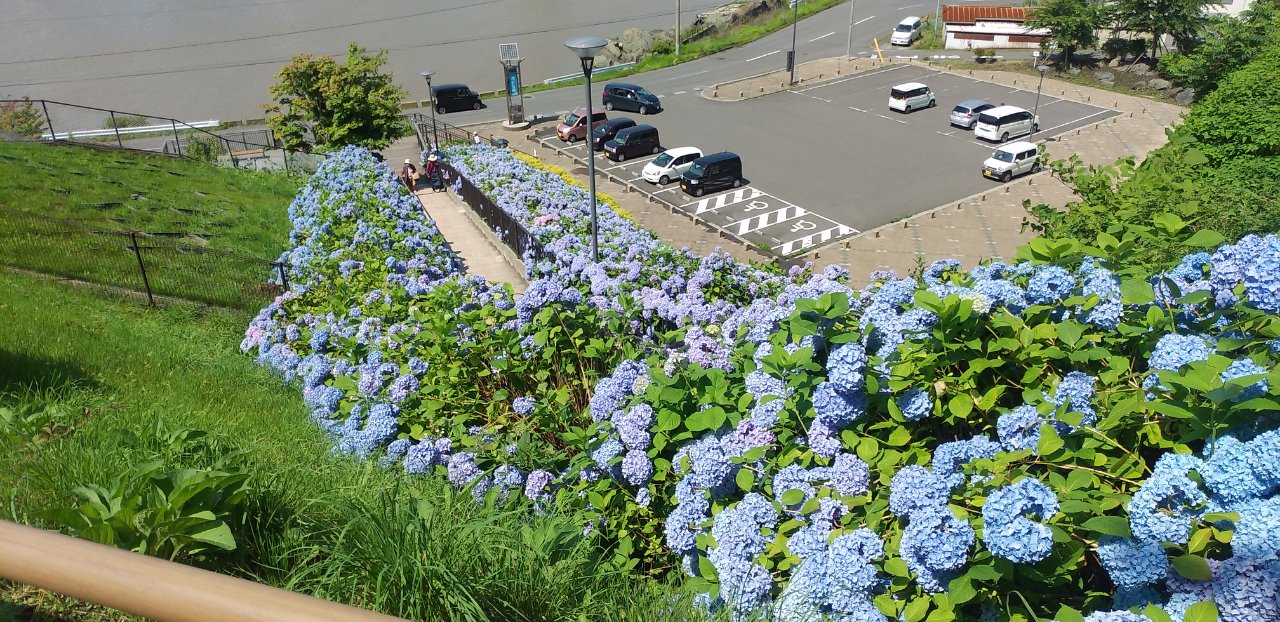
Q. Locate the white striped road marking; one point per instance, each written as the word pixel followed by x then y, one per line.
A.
pixel 680 92
pixel 763 55
pixel 812 239
pixel 863 20
pixel 716 202
pixel 768 219
pixel 822 37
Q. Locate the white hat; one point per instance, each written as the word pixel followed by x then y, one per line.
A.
pixel 406 161
pixel 432 158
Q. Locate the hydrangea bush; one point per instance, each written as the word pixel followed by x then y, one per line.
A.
pixel 1051 438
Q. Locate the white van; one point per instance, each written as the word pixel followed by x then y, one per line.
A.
pixel 672 164
pixel 910 96
pixel 1012 160
pixel 906 32
pixel 1003 122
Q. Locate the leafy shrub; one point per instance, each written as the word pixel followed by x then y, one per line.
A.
pixel 1235 120
pixel 1229 44
pixel 573 181
pixel 204 148
pixel 21 119
pixel 1117 47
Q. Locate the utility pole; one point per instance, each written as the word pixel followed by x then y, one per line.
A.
pixel 791 59
pixel 848 51
pixel 677 28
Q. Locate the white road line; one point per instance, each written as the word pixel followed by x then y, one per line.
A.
pixel 822 37
pixel 861 75
pixel 1047 129
pixel 763 55
pixel 858 109
pixel 680 92
pixel 672 188
pixel 909 6
pixel 863 20
pixel 891 118
pixel 689 75
pixel 812 239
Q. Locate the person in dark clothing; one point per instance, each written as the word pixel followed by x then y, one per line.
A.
pixel 409 175
pixel 433 173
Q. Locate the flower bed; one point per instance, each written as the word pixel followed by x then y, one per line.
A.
pixel 1042 439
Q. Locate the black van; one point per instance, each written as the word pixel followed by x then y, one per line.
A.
pixel 633 141
pixel 712 172
pixel 620 96
pixel 455 97
pixel 607 130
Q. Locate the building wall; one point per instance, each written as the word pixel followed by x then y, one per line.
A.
pixel 1232 8
pixel 993 34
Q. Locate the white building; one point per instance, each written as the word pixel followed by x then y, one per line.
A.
pixel 1229 8
pixel 970 26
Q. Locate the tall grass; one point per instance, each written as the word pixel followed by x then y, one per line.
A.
pixel 100 385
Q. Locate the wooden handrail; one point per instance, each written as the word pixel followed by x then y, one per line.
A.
pixel 151 587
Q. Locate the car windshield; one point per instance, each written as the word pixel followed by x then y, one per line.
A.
pixel 621 139
pixel 642 92
pixel 697 169
pixel 987 119
pixel 902 28
pixel 571 119
pixel 663 159
pixel 601 129
pixel 1002 156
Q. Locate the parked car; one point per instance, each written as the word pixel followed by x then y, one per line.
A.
pixel 670 164
pixel 607 130
pixel 1011 160
pixel 455 97
pixel 910 96
pixel 965 114
pixel 633 141
pixel 712 172
pixel 622 96
pixel 1004 122
pixel 574 126
pixel 907 31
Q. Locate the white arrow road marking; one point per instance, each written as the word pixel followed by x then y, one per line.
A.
pixel 768 219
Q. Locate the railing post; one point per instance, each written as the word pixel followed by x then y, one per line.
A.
pixel 117 128
pixel 48 120
pixel 284 280
pixel 235 162
pixel 177 143
pixel 137 252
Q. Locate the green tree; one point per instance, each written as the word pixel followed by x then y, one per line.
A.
pixel 1072 24
pixel 323 105
pixel 21 119
pixel 1229 44
pixel 1237 120
pixel 1181 19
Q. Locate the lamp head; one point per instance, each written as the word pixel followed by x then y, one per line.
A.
pixel 427 74
pixel 586 48
pixel 1042 68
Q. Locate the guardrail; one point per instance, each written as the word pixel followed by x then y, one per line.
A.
pixel 154 588
pixel 113 131
pixel 595 72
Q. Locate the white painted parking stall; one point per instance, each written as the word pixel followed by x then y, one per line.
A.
pixel 761 218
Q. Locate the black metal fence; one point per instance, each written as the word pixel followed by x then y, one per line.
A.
pixel 45 120
pixel 154 265
pixel 508 229
pixel 432 131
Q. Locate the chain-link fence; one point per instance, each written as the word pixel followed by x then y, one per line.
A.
pixel 44 120
pixel 157 265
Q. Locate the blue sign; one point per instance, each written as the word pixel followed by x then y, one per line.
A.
pixel 513 82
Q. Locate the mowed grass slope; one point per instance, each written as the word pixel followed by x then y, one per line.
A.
pixel 233 210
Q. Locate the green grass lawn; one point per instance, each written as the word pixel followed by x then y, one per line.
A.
pixel 100 385
pixel 212 229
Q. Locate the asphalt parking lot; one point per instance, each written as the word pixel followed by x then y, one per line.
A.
pixel 828 160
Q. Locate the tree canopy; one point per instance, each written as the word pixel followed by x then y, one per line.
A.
pixel 1072 24
pixel 323 105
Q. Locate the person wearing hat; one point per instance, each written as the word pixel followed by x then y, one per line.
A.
pixel 409 175
pixel 433 173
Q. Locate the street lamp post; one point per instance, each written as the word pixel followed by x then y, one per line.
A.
pixel 435 139
pixel 587 48
pixel 848 50
pixel 677 28
pixel 791 60
pixel 1035 116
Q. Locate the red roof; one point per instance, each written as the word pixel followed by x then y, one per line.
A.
pixel 968 14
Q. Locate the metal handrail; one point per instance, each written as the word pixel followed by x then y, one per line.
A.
pixel 154 588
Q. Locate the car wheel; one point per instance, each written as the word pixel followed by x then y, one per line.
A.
pixel 697 192
pixel 1004 137
pixel 477 106
pixel 441 109
pixel 664 180
pixel 1035 128
pixel 972 124
pixel 644 110
pixel 657 150
pixel 737 183
pixel 907 110
pixel 933 102
pixel 608 106
pixel 1035 168
pixel 573 138
pixel 1006 176
pixel 621 156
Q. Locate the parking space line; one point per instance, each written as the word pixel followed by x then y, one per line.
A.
pixel 680 92
pixel 858 109
pixel 762 56
pixel 891 118
pixel 812 239
pixel 859 76
pixel 722 200
pixel 768 219
pixel 822 37
pixel 863 20
pixel 1047 129
pixel 665 190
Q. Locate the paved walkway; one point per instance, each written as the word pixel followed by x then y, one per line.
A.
pixel 984 226
pixel 481 251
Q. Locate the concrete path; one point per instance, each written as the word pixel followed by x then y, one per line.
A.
pixel 481 251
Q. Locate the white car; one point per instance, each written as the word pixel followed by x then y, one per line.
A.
pixel 670 164
pixel 1012 160
pixel 910 96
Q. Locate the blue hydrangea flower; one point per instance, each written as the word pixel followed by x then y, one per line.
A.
pixel 1246 367
pixel 1075 392
pixel 1019 428
pixel 1248 588
pixel 1008 531
pixel 1131 563
pixel 1050 284
pixel 523 406
pixel 850 475
pixel 637 468
pixel 915 404
pixel 914 489
pixel 537 486
pixel 935 545
pixel 1116 616
pixel 1162 508
pixel 950 458
pixel 1173 351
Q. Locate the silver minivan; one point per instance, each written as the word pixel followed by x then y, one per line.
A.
pixel 1004 122
pixel 1012 160
pixel 910 96
pixel 906 32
